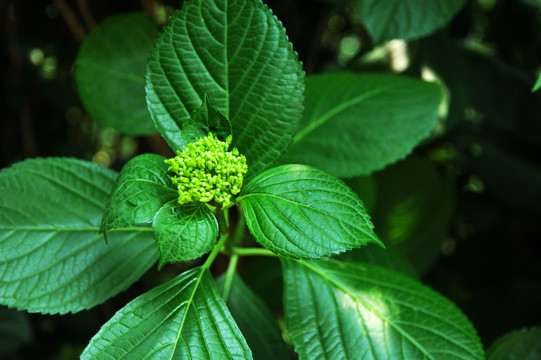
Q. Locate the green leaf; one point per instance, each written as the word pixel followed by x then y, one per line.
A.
pixel 351 311
pixel 52 259
pixel 184 318
pixel 110 69
pixel 522 344
pixel 238 54
pixel 390 257
pixel 302 212
pixel 354 124
pixel 204 120
pixel 140 190
pixel 15 331
pixel 184 232
pixel 405 19
pixel 414 210
pixel 255 321
pixel 537 85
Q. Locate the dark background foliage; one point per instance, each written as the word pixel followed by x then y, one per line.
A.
pixel 488 149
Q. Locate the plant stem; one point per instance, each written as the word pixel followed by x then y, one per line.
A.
pixel 223 224
pixel 229 276
pixel 216 250
pixel 253 252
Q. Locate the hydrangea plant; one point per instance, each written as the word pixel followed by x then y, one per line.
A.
pixel 225 89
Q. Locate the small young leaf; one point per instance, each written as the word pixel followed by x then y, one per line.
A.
pixel 238 54
pixel 140 190
pixel 255 321
pixel 202 121
pixel 184 232
pixel 184 318
pixel 405 19
pixel 522 344
pixel 302 212
pixel 110 70
pixel 52 259
pixel 345 310
pixel 354 124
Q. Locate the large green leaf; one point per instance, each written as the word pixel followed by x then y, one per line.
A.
pixel 238 54
pixel 255 321
pixel 340 310
pixel 405 19
pixel 354 124
pixel 140 190
pixel 184 318
pixel 522 344
pixel 184 232
pixel 302 212
pixel 52 259
pixel 110 70
pixel 414 210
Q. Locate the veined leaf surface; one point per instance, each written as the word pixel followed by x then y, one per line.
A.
pixel 354 124
pixel 238 54
pixel 255 321
pixel 338 310
pixel 302 212
pixel 184 318
pixel 140 190
pixel 52 259
pixel 184 232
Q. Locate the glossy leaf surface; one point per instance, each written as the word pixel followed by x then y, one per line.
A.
pixel 184 232
pixel 110 72
pixel 184 318
pixel 405 19
pixel 302 212
pixel 52 259
pixel 350 311
pixel 354 124
pixel 140 190
pixel 255 321
pixel 238 54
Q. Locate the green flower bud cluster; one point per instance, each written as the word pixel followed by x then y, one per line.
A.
pixel 205 170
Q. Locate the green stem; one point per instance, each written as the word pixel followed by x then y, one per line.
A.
pixel 215 251
pixel 240 230
pixel 233 261
pixel 253 252
pixel 223 224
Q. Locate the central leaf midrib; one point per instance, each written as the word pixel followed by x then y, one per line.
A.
pixel 346 290
pixel 336 110
pixel 188 304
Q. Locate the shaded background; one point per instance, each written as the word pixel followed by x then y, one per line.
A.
pixel 465 207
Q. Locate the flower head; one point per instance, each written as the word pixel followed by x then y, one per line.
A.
pixel 205 170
